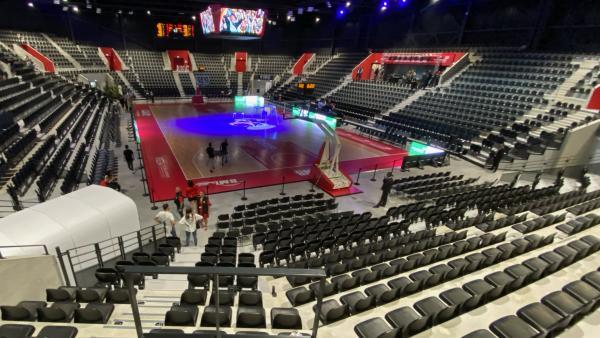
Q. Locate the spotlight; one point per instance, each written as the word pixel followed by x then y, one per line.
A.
pixel 317 19
pixel 383 8
pixel 348 4
pixel 342 12
pixel 148 12
pixel 193 18
pixel 289 17
pixel 75 9
pixel 30 5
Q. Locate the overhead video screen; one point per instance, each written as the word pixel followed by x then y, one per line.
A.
pixel 226 21
pixel 242 21
pixel 174 30
pixel 207 20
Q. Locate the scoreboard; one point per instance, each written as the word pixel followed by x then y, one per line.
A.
pixel 306 88
pixel 174 30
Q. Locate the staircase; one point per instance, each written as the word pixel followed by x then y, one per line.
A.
pixel 179 86
pixel 193 79
pixel 166 61
pixel 345 82
pixel 240 84
pixel 585 66
pixel 68 56
pixel 127 83
pixel 321 65
pixel 415 96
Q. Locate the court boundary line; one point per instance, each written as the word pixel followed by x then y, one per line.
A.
pixel 169 144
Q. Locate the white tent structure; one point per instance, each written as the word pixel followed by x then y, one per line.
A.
pixel 89 215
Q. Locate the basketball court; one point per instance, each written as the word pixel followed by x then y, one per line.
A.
pixel 264 147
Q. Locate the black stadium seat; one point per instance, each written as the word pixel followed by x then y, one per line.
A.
pixel 16 331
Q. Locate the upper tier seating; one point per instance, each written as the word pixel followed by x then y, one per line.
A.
pixel 150 68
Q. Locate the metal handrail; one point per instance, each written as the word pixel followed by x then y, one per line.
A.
pixel 215 272
pixel 24 246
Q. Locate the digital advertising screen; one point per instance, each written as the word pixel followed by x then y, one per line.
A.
pixel 231 22
pixel 242 21
pixel 174 30
pixel 418 148
pixel 309 115
pixel 207 21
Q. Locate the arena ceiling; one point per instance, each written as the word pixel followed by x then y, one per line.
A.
pixel 189 6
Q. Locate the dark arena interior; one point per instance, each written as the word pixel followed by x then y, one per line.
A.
pixel 301 168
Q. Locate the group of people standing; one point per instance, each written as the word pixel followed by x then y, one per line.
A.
pixel 212 154
pixel 194 217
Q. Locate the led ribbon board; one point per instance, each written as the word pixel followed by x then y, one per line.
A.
pixel 311 116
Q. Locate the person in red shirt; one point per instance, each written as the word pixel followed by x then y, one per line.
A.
pixel 203 208
pixel 191 192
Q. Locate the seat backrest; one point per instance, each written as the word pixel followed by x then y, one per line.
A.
pixel 16 313
pixel 88 315
pixel 179 318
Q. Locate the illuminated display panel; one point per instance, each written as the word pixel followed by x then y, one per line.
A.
pixel 242 21
pixel 174 30
pixel 233 22
pixel 303 113
pixel 418 148
pixel 207 21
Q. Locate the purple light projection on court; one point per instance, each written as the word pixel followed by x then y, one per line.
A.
pixel 230 124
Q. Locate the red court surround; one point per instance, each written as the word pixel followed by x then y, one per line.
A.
pixel 164 174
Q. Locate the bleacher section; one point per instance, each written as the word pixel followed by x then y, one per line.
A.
pixel 51 123
pixel 272 65
pixel 326 79
pixel 40 43
pixel 216 72
pixel 384 277
pixel 365 100
pixel 150 68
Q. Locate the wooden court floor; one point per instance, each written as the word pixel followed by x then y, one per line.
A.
pixel 292 143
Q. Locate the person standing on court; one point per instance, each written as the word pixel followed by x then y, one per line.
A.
pixel 224 154
pixel 388 182
pixel 203 208
pixel 128 153
pixel 210 151
pixel 191 221
pixel 165 216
